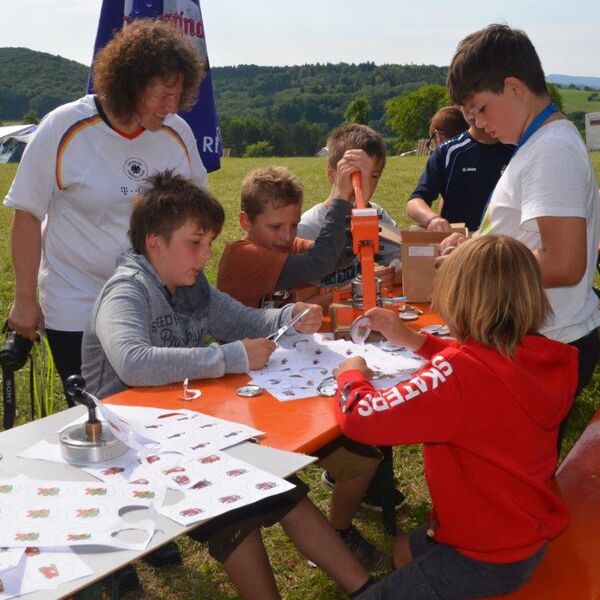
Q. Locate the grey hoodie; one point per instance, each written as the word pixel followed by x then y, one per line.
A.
pixel 139 334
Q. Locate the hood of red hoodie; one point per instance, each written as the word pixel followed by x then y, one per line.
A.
pixel 545 369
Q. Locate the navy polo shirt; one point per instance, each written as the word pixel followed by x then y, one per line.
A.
pixel 464 172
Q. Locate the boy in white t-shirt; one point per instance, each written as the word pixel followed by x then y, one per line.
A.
pixel 548 196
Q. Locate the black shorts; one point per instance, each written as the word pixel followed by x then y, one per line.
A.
pixel 226 532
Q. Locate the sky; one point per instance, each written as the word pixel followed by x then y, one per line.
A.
pixel 280 32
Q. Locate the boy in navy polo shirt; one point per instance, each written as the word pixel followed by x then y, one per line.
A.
pixel 464 171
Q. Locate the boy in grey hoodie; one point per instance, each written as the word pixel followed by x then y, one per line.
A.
pixel 151 317
pixel 147 328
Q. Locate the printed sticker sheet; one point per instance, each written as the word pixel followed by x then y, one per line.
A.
pixel 212 482
pixel 42 569
pixel 185 432
pixel 215 483
pixel 301 362
pixel 184 455
pixel 142 428
pixel 67 513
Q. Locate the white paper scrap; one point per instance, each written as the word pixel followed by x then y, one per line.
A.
pixel 42 569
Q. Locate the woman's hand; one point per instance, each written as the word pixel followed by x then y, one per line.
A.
pixel 26 318
pixel 311 322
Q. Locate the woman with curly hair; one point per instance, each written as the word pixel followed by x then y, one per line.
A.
pixel 73 190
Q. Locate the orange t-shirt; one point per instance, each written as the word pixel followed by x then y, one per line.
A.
pixel 248 272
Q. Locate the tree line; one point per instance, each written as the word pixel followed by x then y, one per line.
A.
pixel 282 111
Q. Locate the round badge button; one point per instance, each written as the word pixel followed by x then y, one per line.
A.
pixel 360 330
pixel 247 391
pixel 435 329
pixel 327 387
pixel 409 316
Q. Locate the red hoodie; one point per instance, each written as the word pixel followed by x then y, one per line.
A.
pixel 488 425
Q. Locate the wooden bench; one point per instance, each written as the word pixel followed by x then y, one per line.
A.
pixel 571 568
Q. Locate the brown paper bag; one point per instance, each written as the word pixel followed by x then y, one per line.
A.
pixel 419 251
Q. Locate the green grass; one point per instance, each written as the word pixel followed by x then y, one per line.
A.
pixel 577 100
pixel 200 578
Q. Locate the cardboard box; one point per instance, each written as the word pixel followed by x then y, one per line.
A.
pixel 419 251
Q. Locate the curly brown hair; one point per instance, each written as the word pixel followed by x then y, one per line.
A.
pixel 140 52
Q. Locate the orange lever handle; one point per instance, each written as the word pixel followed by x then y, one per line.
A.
pixel 356 178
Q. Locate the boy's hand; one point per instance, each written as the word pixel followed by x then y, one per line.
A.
pixel 259 351
pixel 454 239
pixel 353 160
pixel 387 276
pixel 447 246
pixel 311 322
pixel 438 224
pixel 355 363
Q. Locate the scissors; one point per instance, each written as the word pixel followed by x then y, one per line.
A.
pixel 277 334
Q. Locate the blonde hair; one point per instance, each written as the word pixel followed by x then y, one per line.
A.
pixel 274 186
pixel 490 291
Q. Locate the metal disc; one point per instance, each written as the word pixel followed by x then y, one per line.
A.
pixel 360 330
pixel 435 329
pixel 249 390
pixel 327 387
pixel 408 316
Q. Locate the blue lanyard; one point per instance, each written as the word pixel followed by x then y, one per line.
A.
pixel 536 124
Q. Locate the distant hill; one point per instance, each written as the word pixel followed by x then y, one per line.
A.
pixel 38 81
pixel 320 93
pixel 316 93
pixel 567 80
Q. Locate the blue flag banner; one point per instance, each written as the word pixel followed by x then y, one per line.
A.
pixel 187 17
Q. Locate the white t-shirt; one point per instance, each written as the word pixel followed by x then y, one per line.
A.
pixel 79 177
pixel 551 176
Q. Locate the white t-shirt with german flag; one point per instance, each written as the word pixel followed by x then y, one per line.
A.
pixel 551 176
pixel 79 177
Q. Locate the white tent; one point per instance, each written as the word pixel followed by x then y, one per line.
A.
pixel 13 139
pixel 592 130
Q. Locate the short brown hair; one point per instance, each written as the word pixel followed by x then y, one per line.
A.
pixel 167 205
pixel 490 290
pixel 484 59
pixel 274 186
pixel 449 121
pixel 354 136
pixel 137 54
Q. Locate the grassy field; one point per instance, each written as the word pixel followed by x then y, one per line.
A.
pixel 200 578
pixel 577 100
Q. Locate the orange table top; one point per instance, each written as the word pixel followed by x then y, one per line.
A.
pixel 570 568
pixel 299 425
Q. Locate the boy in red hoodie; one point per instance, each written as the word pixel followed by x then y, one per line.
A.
pixel 486 408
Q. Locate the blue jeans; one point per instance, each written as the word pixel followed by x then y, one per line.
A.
pixel 439 572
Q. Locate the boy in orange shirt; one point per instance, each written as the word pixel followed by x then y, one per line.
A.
pixel 272 259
